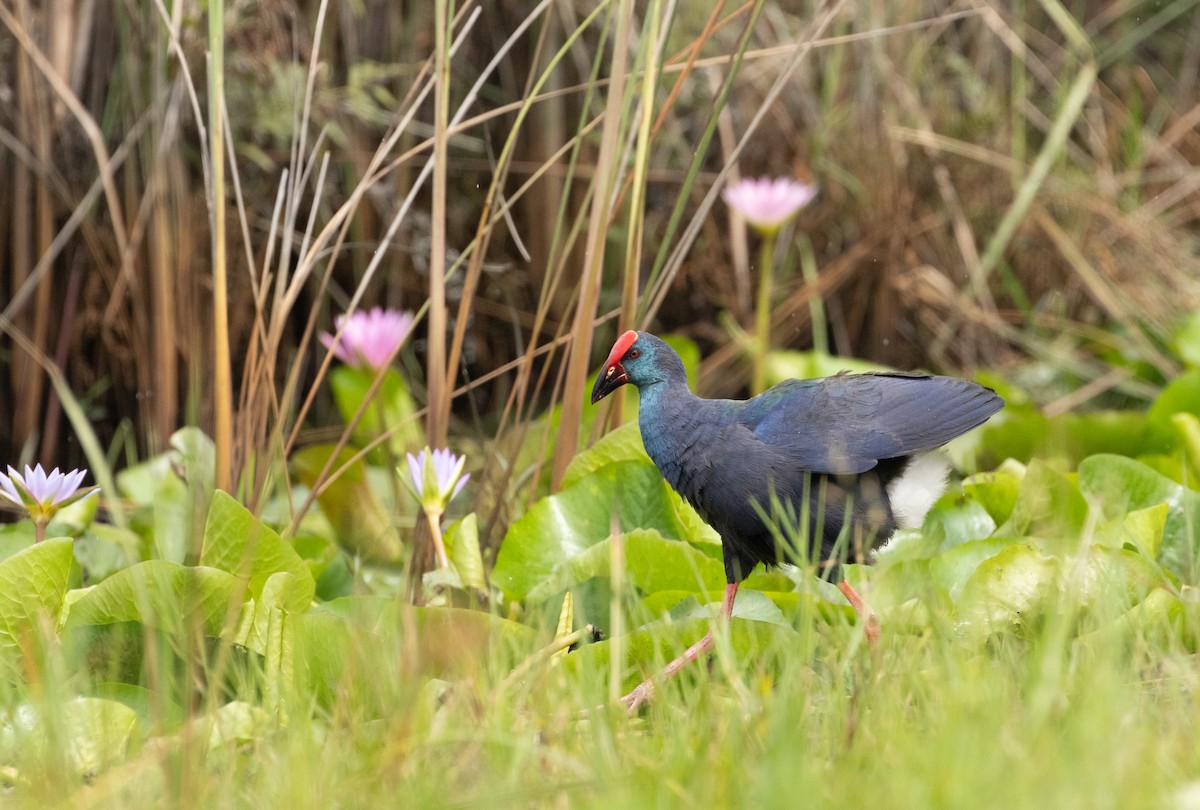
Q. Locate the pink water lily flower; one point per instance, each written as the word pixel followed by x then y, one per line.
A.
pixel 369 339
pixel 767 204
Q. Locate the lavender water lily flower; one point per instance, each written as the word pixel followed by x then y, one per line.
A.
pixel 435 477
pixel 768 203
pixel 369 339
pixel 41 494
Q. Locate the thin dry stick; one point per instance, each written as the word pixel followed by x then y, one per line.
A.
pixel 435 366
pixel 222 392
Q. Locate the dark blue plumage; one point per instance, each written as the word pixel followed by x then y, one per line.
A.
pixel 819 446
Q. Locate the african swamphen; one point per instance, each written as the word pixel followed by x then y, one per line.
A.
pixel 853 452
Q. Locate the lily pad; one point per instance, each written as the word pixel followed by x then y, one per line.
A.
pixel 33 584
pixel 237 542
pixel 1121 485
pixel 159 594
pixel 618 497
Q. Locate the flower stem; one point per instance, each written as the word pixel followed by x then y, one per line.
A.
pixel 435 529
pixel 39 531
pixel 762 312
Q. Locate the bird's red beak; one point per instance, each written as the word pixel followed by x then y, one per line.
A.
pixel 612 374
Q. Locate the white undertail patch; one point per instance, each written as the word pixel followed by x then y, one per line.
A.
pixel 914 492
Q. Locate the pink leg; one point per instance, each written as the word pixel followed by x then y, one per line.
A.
pixel 865 614
pixel 645 690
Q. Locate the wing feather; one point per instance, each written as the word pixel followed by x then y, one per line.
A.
pixel 848 423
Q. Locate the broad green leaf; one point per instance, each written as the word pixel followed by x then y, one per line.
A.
pixel 103 550
pixel 1187 427
pixel 280 591
pixel 462 547
pixel 16 536
pixel 361 524
pixel 1187 340
pixel 159 594
pixel 652 563
pixel 155 711
pixel 1114 579
pixel 622 496
pixel 1025 433
pixel 1159 618
pixel 750 605
pixel 1182 395
pixel 622 444
pixel 1121 485
pixel 237 542
pixel 1006 592
pixel 954 521
pixel 93 733
pixel 436 642
pixel 238 722
pixel 951 570
pixel 1142 529
pixel 649 649
pixel 994 491
pixel 1049 505
pixel 33 583
pixel 99 732
pixel 391 409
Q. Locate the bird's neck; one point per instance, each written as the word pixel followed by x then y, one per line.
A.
pixel 672 421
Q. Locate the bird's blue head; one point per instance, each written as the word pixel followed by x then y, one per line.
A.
pixel 638 358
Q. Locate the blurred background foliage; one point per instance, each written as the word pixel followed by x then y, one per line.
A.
pixel 1010 186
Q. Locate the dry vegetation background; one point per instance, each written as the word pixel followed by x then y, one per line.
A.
pixel 1005 185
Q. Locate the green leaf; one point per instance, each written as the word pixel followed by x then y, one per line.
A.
pixel 954 521
pixel 16 536
pixel 1121 485
pixel 1025 433
pixel 436 642
pixel 994 491
pixel 280 591
pixel 392 407
pixel 462 547
pixel 1141 529
pixel 159 594
pixel 33 584
pixel 1006 592
pixel 648 649
pixel 951 570
pixel 238 722
pixel 237 542
pixel 1182 395
pixel 1049 505
pixel 622 444
pixel 103 550
pixel 1187 340
pixel 624 496
pixel 753 606
pixel 652 563
pixel 361 524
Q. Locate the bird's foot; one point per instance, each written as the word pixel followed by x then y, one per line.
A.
pixel 641 694
pixel 872 628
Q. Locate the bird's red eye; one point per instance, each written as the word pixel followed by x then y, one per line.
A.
pixel 633 353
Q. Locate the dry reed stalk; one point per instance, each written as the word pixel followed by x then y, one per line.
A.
pixel 579 357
